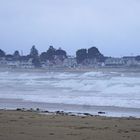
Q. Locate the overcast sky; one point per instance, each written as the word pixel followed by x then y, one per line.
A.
pixel 111 25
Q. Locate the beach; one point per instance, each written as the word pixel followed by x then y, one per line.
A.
pixel 27 125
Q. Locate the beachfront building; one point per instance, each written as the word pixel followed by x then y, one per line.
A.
pixel 13 64
pixel 70 62
pixel 3 62
pixel 58 60
pixel 45 64
pixel 130 61
pixel 9 63
pixel 94 63
pixel 111 61
pixel 27 64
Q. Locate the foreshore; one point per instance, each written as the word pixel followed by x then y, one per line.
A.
pixel 31 125
pixel 109 111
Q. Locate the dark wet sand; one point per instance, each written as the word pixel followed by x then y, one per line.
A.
pixel 18 125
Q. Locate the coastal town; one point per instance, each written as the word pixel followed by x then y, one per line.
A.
pixel 58 58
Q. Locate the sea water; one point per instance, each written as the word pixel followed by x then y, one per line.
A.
pixel 105 89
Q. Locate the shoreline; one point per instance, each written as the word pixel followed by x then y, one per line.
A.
pixel 34 126
pixel 63 113
pixel 108 111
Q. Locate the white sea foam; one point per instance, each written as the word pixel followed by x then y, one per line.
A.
pixel 90 88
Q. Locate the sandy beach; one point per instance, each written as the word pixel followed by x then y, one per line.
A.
pixel 15 125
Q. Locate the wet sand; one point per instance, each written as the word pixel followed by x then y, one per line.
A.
pixel 19 125
pixel 13 104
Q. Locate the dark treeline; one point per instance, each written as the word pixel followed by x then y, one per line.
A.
pixel 37 58
pixel 83 56
pixel 89 55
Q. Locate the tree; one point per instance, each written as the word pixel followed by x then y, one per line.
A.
pixel 137 58
pixel 94 53
pixel 16 55
pixel 36 62
pixel 34 52
pixel 61 54
pixel 81 55
pixel 2 53
pixel 51 53
pixel 34 56
pixel 25 58
pixel 43 56
pixel 9 57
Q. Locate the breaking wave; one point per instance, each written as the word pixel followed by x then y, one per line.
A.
pixel 89 88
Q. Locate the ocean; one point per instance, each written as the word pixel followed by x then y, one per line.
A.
pixel 116 93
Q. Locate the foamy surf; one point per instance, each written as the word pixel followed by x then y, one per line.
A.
pixel 85 88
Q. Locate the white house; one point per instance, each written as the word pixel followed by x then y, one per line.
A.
pixel 114 62
pixel 130 61
pixel 13 64
pixel 70 62
pixel 26 64
pixel 3 62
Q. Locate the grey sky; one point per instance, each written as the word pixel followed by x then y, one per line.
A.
pixel 111 25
